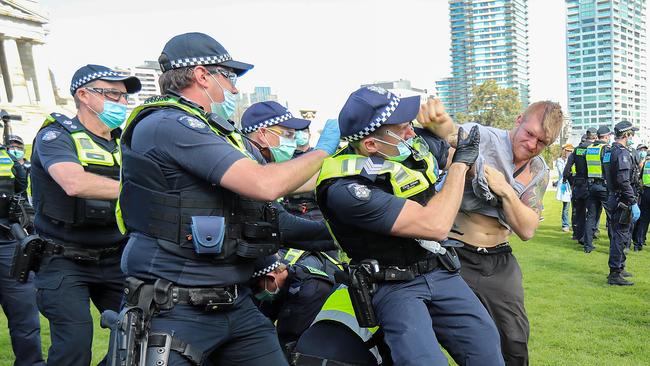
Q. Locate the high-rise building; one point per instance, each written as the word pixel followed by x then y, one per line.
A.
pixel 606 63
pixel 148 73
pixel 443 92
pixel 489 40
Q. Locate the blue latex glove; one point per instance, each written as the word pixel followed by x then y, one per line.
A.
pixel 330 137
pixel 636 212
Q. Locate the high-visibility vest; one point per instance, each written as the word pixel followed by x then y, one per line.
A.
pixel 646 173
pixel 594 164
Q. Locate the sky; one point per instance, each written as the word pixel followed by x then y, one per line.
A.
pixel 313 53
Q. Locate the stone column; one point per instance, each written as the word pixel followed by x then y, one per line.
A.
pixel 3 91
pixel 45 90
pixel 15 71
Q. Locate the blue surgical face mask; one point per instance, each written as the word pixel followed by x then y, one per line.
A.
pixel 226 108
pixel 403 149
pixel 630 141
pixel 284 151
pixel 643 154
pixel 302 138
pixel 113 114
pixel 18 154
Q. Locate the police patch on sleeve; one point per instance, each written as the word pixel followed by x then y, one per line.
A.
pixel 359 191
pixel 193 123
pixel 50 135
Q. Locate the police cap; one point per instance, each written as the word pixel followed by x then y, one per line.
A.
pixel 90 72
pixel 603 130
pixel 15 138
pixel 371 107
pixel 193 49
pixel 267 264
pixel 267 114
pixel 624 126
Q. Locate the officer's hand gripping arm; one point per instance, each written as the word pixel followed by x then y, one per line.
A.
pixel 433 221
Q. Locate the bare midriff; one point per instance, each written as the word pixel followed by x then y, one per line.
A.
pixel 479 230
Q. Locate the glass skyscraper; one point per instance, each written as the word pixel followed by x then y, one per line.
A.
pixel 489 40
pixel 606 63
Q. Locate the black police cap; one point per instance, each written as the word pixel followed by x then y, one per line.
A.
pixel 193 49
pixel 624 126
pixel 603 130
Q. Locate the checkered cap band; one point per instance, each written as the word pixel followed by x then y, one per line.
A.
pixel 195 61
pixel 90 77
pixel 377 122
pixel 266 269
pixel 269 122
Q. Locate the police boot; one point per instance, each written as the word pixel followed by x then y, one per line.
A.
pixel 626 274
pixel 616 279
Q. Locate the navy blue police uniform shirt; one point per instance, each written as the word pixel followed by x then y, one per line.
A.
pixel 54 145
pixel 356 202
pixel 621 167
pixel 188 153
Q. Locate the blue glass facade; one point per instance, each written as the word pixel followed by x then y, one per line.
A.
pixel 488 41
pixel 606 63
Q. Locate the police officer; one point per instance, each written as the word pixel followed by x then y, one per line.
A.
pixel 378 198
pixel 273 129
pixel 74 179
pixel 291 295
pixel 621 203
pixel 17 299
pixel 596 157
pixel 575 172
pixel 641 226
pixel 303 204
pixel 16 148
pixel 335 337
pixel 187 199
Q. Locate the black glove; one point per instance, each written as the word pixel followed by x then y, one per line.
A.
pixel 16 209
pixel 467 147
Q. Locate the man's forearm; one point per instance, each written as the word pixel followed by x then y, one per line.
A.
pixel 522 219
pixel 93 186
pixel 290 175
pixel 445 204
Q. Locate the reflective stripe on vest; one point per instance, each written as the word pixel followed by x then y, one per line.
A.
pixel 6 164
pixel 293 255
pixel 646 173
pixel 234 139
pixel 338 308
pixel 594 165
pixel 405 182
pixel 88 151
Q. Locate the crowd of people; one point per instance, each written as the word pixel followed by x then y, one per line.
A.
pixel 598 174
pixel 209 242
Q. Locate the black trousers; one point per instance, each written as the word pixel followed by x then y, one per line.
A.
pixel 641 226
pixel 497 281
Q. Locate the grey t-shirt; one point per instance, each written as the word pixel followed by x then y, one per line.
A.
pixel 496 151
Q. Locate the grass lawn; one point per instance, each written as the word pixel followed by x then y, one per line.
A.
pixel 575 317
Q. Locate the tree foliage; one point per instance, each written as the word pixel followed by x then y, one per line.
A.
pixel 492 105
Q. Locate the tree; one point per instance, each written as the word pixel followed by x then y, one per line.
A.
pixel 492 105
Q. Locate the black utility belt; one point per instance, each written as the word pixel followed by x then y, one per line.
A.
pixel 78 253
pixel 408 272
pixel 501 248
pixel 596 181
pixel 165 295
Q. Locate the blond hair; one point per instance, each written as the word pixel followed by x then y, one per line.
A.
pixel 552 117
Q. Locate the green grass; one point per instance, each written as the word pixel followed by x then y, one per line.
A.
pixel 575 317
